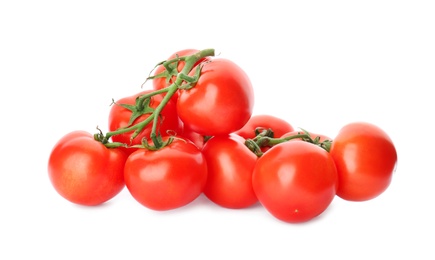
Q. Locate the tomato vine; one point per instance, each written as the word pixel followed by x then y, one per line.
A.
pixel 264 137
pixel 182 81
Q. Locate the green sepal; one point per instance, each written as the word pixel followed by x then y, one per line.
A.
pixel 141 107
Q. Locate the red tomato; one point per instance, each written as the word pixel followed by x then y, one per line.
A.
pixel 295 181
pixel 167 178
pixel 84 171
pixel 279 126
pixel 366 159
pixel 160 83
pixel 191 135
pixel 220 103
pixel 119 117
pixel 230 165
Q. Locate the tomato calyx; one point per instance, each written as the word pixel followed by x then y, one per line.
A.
pixel 264 137
pixel 141 107
pixel 171 69
pixel 142 103
pixel 155 145
pixel 261 139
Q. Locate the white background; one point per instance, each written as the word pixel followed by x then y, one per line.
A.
pixel 317 64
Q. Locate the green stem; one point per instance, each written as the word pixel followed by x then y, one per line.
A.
pixel 262 140
pixel 171 91
pixel 275 141
pixel 156 92
pixel 138 127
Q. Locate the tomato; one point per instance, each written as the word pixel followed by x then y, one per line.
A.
pixel 230 165
pixel 193 136
pixel 168 178
pixel 119 117
pixel 295 181
pixel 160 83
pixel 366 159
pixel 279 126
pixel 220 103
pixel 84 171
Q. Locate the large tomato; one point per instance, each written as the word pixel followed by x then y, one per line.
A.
pixel 84 171
pixel 278 125
pixel 220 103
pixel 295 181
pixel 230 165
pixel 119 117
pixel 366 159
pixel 168 178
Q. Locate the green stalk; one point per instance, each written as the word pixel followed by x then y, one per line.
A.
pixel 262 140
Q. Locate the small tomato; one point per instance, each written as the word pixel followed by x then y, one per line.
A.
pixel 366 159
pixel 230 165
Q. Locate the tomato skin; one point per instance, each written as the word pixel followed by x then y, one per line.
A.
pixel 230 166
pixel 279 126
pixel 84 171
pixel 295 181
pixel 119 117
pixel 189 134
pixel 366 159
pixel 220 103
pixel 168 178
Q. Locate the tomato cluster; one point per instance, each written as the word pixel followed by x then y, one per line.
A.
pixel 194 133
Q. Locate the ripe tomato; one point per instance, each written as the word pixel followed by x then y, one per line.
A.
pixel 84 171
pixel 295 181
pixel 230 165
pixel 279 126
pixel 220 103
pixel 366 158
pixel 119 117
pixel 191 135
pixel 163 82
pixel 168 178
